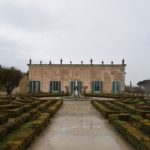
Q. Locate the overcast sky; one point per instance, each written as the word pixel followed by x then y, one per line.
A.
pixel 76 30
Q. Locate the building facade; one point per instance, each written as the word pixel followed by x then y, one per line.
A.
pixel 90 78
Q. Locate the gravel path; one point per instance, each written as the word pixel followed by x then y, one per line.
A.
pixel 79 126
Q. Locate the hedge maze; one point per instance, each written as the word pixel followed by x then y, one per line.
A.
pixel 130 117
pixel 22 119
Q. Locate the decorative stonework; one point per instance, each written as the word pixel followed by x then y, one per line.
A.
pixel 70 72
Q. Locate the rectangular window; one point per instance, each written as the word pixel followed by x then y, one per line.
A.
pixel 34 86
pixel 116 87
pixel 55 87
pixel 97 86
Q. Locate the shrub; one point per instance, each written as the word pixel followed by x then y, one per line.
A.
pixel 122 117
pixel 9 106
pixel 20 139
pixel 52 109
pixel 135 137
pixel 18 133
pixel 3 118
pixel 105 111
pixel 14 112
pixel 4 102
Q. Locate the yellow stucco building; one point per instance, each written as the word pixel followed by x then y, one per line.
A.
pixel 94 78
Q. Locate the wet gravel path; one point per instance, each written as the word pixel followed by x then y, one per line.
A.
pixel 79 126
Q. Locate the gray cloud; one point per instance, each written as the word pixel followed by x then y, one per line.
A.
pixel 76 30
pixel 26 17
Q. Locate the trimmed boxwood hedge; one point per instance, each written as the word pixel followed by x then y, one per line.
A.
pixel 21 138
pixel 110 105
pixel 122 117
pixel 18 133
pixel 4 102
pixel 131 124
pixel 141 124
pixel 9 106
pixel 47 95
pixel 104 110
pixel 131 109
pixel 14 112
pixel 110 95
pixel 52 109
pixel 3 118
pixel 131 134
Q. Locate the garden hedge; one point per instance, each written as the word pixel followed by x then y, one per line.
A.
pixel 132 134
pixel 27 122
pixel 101 108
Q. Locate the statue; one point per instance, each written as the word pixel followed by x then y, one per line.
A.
pixel 76 93
pixel 123 61
pixel 40 62
pixel 30 61
pixel 102 62
pixel 91 61
pixel 61 61
pixel 112 62
pixel 67 90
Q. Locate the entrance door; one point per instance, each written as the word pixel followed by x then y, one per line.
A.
pixel 73 86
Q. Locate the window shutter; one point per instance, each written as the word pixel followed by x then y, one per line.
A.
pixel 80 86
pixel 36 86
pixel 33 86
pixel 39 86
pixel 50 86
pixel 113 87
pixel 93 87
pixel 30 86
pixel 119 86
pixel 59 87
pixel 101 87
pixel 71 87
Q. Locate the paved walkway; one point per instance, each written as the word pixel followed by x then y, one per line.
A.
pixel 78 126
